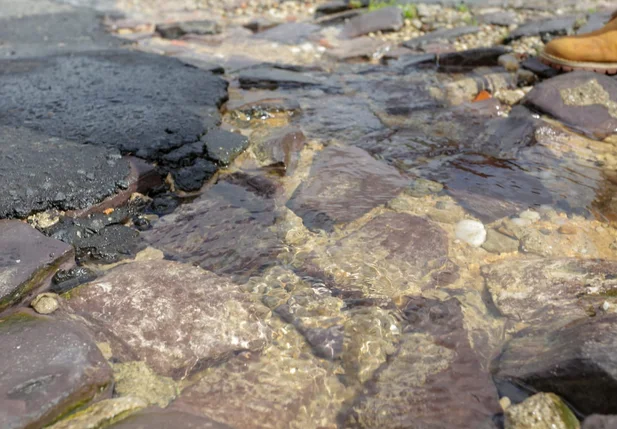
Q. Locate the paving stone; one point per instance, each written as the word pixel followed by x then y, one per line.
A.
pixel 177 318
pixel 33 28
pixel 223 146
pixel 440 35
pixel 502 18
pixel 28 259
pixel 153 418
pixel 292 33
pixel 227 230
pixel 576 362
pixel 41 172
pixel 553 290
pixel 272 78
pixel 152 104
pixel 282 147
pixel 585 101
pixel 385 19
pixel 175 30
pixel 546 28
pixel 434 380
pixel 50 368
pixel 344 184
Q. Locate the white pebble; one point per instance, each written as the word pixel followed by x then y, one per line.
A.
pixel 606 306
pixel 530 215
pixel 471 232
pixel 521 222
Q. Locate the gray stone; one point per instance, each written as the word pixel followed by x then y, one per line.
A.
pixel 37 28
pixel 597 421
pixel 177 318
pixel 41 172
pixel 260 24
pixel 192 177
pixel 175 30
pixel 497 242
pixel 544 28
pixel 385 19
pixel 344 184
pixel 502 18
pixel 98 237
pixel 585 101
pixel 152 104
pixel 595 21
pixel 272 78
pixel 339 18
pixel 28 259
pixel 292 33
pixel 223 146
pixel 539 68
pixel 359 48
pixel 155 418
pixel 343 119
pixel 440 35
pixel 331 8
pixel 228 230
pixel 576 362
pixel 471 58
pixel 53 368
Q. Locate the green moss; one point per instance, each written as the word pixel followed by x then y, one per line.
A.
pixel 462 8
pixel 567 416
pixel 410 11
pixel 355 4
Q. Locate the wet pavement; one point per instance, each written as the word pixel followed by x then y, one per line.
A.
pixel 304 215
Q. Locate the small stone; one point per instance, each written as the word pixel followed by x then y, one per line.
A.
pixel 530 215
pixel 505 403
pixel 541 411
pixel 567 230
pixel 526 77
pixel 606 306
pixel 223 146
pixel 521 222
pixel 471 232
pixel 45 303
pixel 509 62
pixel 497 242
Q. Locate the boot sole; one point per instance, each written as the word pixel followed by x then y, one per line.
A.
pixel 568 66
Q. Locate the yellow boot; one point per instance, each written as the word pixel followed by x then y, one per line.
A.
pixel 596 51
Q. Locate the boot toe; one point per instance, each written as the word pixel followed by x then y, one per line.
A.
pixel 560 48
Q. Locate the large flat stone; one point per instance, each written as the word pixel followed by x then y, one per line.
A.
pixel 292 33
pixel 576 362
pixel 435 380
pixel 542 291
pixel 49 368
pixel 31 28
pixel 407 248
pixel 439 36
pixel 152 104
pixel 41 172
pixel 27 260
pixel 385 19
pixel 228 230
pixel 344 184
pixel 278 390
pixel 154 418
pixel 177 318
pixel 544 28
pixel 585 101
